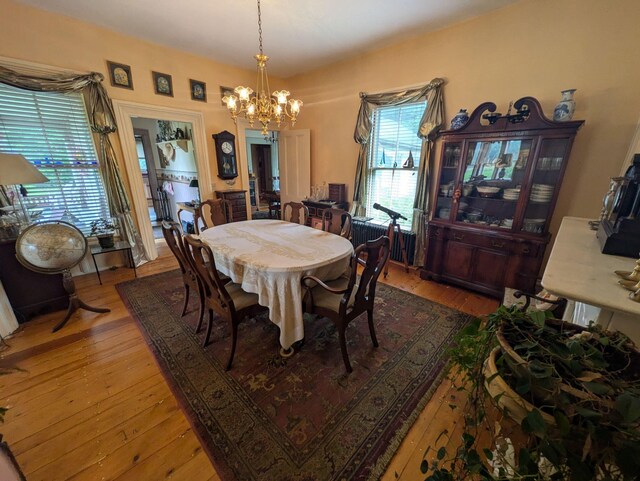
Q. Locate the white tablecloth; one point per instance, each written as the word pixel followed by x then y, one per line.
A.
pixel 270 257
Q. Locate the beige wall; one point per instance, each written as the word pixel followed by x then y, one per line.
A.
pixel 42 37
pixel 536 48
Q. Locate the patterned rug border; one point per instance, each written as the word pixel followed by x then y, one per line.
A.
pixel 216 455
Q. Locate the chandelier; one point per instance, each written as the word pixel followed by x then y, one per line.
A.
pixel 259 105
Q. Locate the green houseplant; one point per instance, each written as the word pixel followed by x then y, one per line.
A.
pixel 104 230
pixel 573 392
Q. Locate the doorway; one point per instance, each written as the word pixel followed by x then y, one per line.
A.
pixel 169 171
pixel 264 172
pixel 293 160
pixel 178 147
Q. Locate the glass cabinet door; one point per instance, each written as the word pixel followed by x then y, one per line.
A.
pixel 451 152
pixel 544 185
pixel 492 179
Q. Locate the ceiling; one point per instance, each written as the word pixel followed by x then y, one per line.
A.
pixel 298 35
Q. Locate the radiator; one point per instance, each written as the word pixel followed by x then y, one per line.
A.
pixel 364 231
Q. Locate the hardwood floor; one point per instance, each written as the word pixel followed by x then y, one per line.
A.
pixel 91 404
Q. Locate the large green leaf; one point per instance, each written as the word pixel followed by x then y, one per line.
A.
pixel 562 422
pixel 534 423
pixel 538 318
pixel 628 406
pixel 587 413
pixel 540 370
pixel 598 388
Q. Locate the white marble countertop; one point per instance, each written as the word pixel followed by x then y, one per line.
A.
pixel 578 270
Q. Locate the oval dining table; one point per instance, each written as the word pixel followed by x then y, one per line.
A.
pixel 270 257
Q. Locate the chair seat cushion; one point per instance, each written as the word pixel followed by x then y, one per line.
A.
pixel 241 298
pixel 328 300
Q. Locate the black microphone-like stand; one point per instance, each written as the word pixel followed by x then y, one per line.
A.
pixel 392 231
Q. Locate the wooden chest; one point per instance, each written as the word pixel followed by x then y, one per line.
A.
pixel 338 193
pixel 238 201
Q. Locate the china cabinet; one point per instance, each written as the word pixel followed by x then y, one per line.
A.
pixel 499 178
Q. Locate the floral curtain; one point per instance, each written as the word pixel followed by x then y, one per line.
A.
pixel 103 124
pixel 430 124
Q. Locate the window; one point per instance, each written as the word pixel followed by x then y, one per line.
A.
pixel 394 137
pixel 142 160
pixel 52 131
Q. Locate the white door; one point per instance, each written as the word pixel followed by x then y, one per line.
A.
pixel 294 152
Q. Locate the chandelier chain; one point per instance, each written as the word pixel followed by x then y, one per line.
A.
pixel 260 27
pixel 261 104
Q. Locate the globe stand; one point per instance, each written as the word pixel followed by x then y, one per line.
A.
pixel 75 302
pixel 54 247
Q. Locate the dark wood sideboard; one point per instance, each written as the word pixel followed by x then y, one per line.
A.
pixel 29 293
pixel 238 201
pixel 316 210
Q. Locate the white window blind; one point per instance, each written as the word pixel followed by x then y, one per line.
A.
pixel 394 136
pixel 52 131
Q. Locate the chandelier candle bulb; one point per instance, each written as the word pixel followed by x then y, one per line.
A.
pixel 265 106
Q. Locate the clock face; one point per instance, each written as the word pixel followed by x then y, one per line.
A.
pixel 226 147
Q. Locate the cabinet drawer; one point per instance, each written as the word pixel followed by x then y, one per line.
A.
pixel 230 195
pixel 498 243
pixel 238 195
pixel 501 244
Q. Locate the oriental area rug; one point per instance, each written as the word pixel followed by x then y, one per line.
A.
pixel 302 418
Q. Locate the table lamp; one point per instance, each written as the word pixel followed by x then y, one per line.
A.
pixel 15 170
pixel 194 183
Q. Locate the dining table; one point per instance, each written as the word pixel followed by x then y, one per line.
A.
pixel 270 257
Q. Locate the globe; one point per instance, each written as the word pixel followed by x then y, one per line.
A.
pixel 51 247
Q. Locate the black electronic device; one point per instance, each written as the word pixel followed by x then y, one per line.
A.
pixel 619 233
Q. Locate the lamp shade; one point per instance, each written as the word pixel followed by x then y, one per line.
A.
pixel 15 169
pixel 193 183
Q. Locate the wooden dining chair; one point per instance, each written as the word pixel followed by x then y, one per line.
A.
pixel 219 213
pixel 229 301
pixel 272 198
pixel 173 236
pixel 337 221
pixel 342 300
pixel 295 212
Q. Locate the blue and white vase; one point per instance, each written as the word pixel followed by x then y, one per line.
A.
pixel 459 119
pixel 565 108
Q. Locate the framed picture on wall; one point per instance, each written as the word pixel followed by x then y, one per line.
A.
pixel 120 75
pixel 225 91
pixel 162 84
pixel 198 90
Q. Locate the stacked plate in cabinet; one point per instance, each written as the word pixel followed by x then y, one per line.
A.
pixel 541 193
pixel 511 194
pixel 533 225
